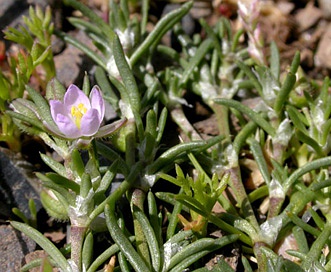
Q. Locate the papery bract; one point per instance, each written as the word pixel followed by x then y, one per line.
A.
pixel 78 115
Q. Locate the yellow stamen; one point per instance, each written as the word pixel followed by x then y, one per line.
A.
pixel 77 113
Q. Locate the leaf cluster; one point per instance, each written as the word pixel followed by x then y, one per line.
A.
pixel 285 134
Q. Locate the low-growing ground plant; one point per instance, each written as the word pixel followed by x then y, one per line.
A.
pixel 160 201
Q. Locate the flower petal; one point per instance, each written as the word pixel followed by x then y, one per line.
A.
pixel 97 102
pixel 67 126
pixel 57 107
pixel 75 96
pixel 90 123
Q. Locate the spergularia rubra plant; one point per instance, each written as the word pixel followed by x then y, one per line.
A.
pixel 78 115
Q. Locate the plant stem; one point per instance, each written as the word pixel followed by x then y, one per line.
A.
pixel 241 196
pixel 77 234
pixel 222 114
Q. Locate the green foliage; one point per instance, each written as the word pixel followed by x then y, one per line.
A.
pixel 282 141
pixel 34 41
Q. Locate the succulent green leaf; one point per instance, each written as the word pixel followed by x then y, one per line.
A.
pixel 123 242
pixel 44 243
pixel 256 117
pixel 164 25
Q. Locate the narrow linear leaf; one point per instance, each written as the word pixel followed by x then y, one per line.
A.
pixel 310 166
pixel 33 264
pixel 298 119
pixel 306 227
pixel 123 242
pixel 173 219
pixel 190 260
pixel 154 247
pixel 236 39
pixel 104 256
pixel 310 142
pixel 228 224
pixel 260 160
pixel 216 42
pixel 44 243
pixel 85 25
pixel 90 53
pixel 297 254
pixel 301 239
pixel 122 189
pixel 169 198
pixel 123 263
pixel 172 153
pixel 42 105
pixel 320 185
pixel 164 25
pixel 103 82
pixel 326 131
pixel 258 193
pixel 274 60
pixel 106 29
pixel 64 182
pixel 126 74
pixel 66 195
pixel 195 61
pixel 246 264
pixel 154 217
pixel 130 84
pixel 256 117
pixel 284 92
pixel 87 251
pixel 111 155
pixel 27 120
pixel 144 15
pixel 161 125
pixel 107 177
pixel 248 71
pixel 316 248
pixel 240 139
pixel 54 165
pixel 193 204
pixel 295 62
pixel 200 245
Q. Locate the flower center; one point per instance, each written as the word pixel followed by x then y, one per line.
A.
pixel 77 113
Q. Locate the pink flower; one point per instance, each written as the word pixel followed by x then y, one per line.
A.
pixel 78 115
